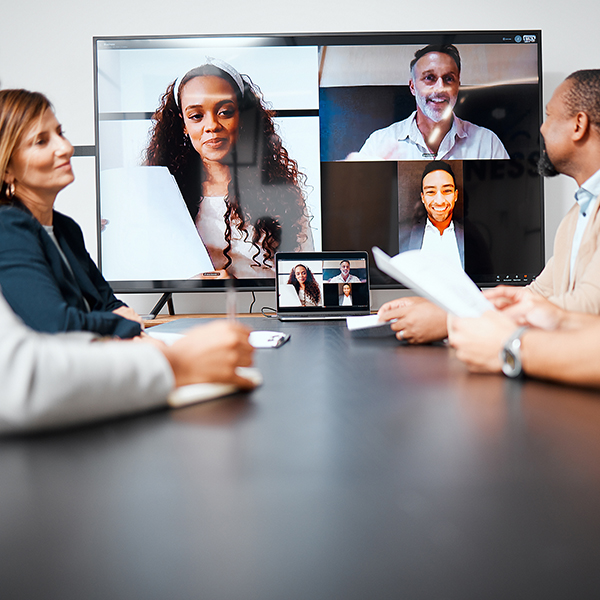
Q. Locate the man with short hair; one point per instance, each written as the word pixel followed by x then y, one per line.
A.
pixel 433 131
pixel 437 230
pixel 345 276
pixel 530 334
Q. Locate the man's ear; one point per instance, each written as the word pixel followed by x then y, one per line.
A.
pixel 581 126
pixel 411 86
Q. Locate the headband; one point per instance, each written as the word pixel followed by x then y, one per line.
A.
pixel 219 64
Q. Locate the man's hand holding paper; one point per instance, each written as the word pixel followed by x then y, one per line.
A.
pixel 416 320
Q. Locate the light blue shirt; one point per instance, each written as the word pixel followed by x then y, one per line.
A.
pixel 404 141
pixel 586 197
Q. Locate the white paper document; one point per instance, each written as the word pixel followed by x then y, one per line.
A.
pixel 201 392
pixel 369 326
pixel 363 322
pixel 149 233
pixel 167 337
pixel 436 278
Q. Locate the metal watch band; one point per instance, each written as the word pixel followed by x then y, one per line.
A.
pixel 510 355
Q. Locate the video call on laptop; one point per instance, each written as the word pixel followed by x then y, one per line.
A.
pixel 322 285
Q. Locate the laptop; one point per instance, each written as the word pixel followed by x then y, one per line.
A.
pixel 322 285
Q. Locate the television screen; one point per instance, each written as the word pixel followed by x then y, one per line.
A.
pixel 216 152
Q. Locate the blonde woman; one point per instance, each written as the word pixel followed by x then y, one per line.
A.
pixel 46 274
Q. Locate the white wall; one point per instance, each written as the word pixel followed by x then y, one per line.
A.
pixel 48 47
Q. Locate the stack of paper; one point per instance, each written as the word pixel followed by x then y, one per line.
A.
pixel 436 278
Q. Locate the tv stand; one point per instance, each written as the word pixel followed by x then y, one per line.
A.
pixel 166 298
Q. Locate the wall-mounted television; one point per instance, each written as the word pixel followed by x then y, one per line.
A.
pixel 215 152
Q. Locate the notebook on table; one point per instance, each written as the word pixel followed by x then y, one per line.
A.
pixel 322 285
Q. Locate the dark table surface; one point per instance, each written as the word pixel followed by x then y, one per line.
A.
pixel 361 469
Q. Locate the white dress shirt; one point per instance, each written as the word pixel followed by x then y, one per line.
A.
pixel 445 243
pixel 404 141
pixel 340 279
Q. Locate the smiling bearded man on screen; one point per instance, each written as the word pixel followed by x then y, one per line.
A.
pixel 433 131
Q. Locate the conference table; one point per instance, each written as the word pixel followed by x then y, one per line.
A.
pixel 362 468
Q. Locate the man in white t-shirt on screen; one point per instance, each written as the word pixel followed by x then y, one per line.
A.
pixel 345 276
pixel 433 131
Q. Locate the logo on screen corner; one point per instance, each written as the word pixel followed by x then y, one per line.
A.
pixel 529 39
pixel 518 39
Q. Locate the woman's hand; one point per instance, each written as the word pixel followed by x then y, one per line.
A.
pixel 128 313
pixel 211 353
pixel 416 320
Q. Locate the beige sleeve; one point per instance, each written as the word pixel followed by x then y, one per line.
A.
pixel 554 281
pixel 543 284
pixel 53 381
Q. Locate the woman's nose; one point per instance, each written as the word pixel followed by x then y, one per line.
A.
pixel 64 147
pixel 211 121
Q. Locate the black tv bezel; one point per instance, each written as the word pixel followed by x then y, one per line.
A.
pixel 300 39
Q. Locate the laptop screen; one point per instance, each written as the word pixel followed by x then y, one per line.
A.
pixel 314 283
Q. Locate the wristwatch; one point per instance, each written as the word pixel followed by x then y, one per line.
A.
pixel 510 355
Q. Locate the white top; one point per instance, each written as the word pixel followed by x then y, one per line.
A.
pixel 305 299
pixel 340 279
pixel 346 300
pixel 404 141
pixel 445 243
pixel 210 223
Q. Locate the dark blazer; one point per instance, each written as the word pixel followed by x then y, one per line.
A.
pixel 41 289
pixel 410 236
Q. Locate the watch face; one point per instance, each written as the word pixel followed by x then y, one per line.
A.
pixel 509 364
pixel 509 361
pixel 511 354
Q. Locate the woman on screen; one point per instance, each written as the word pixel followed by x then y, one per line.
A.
pixel 345 298
pixel 306 285
pixel 46 274
pixel 217 138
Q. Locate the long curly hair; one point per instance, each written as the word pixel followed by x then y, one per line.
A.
pixel 265 187
pixel 311 287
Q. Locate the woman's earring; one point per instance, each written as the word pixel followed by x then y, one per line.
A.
pixel 10 190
